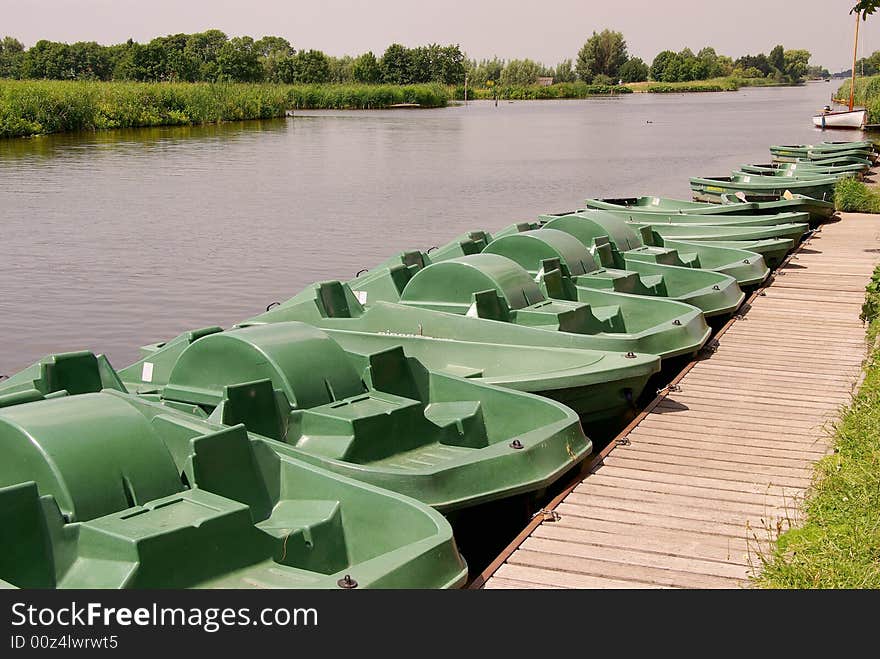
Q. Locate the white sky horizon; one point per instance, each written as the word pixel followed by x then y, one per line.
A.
pixel 483 28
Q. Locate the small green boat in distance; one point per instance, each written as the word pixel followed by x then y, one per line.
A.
pixel 799 169
pixel 619 245
pixel 380 417
pixel 541 251
pixel 599 385
pixel 823 150
pixel 101 489
pixel 798 175
pixel 738 204
pixel 762 188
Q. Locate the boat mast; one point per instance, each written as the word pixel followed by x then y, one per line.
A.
pixel 852 84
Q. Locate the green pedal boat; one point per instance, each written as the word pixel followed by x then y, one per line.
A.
pixel 715 294
pixel 494 287
pixel 101 489
pixel 819 210
pixel 599 385
pixel 378 417
pixel 619 245
pixel 768 188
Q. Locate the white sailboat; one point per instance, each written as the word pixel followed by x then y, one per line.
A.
pixel 852 117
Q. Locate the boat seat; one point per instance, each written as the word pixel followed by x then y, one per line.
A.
pixel 70 373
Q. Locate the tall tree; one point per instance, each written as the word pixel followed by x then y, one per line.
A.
pixel 365 69
pixel 48 59
pixel 603 53
pixel 521 72
pixel 312 66
pixel 564 72
pixel 239 61
pixel 797 63
pixel 204 47
pixel 661 61
pixel 777 58
pixel 866 7
pixel 396 65
pixel 11 56
pixel 634 70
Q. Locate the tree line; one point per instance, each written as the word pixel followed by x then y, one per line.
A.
pixel 212 56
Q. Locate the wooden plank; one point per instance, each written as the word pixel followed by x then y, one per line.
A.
pixel 740 448
pixel 592 489
pixel 553 578
pixel 638 445
pixel 601 532
pixel 499 583
pixel 621 571
pixel 635 557
pixel 705 470
pixel 730 425
pixel 717 484
pixel 614 495
pixel 696 491
pixel 601 510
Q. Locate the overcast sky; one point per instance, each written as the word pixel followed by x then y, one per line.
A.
pixel 548 31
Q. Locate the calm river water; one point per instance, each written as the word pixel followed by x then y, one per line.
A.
pixel 117 239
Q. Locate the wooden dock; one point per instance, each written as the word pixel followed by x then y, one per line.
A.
pixel 696 488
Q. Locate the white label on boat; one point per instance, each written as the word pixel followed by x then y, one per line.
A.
pixel 147 372
pixel 655 201
pixel 361 296
pixel 539 276
pixel 746 179
pixel 787 195
pixel 472 311
pixel 794 166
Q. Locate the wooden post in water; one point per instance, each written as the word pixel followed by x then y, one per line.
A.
pixel 465 88
pixel 852 84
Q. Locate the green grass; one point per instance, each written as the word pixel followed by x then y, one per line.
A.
pixel 366 97
pixel 537 92
pixel 838 546
pixel 29 107
pixel 856 197
pixel 727 84
pixel 867 95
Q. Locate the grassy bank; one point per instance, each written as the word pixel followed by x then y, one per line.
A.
pixel 839 545
pixel 856 197
pixel 537 92
pixel 42 107
pixel 867 94
pixel 728 84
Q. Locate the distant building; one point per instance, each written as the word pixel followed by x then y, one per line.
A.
pixel 545 81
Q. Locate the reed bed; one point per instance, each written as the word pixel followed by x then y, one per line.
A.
pixel 31 107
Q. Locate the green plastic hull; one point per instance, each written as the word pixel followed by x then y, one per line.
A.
pixel 619 245
pixel 372 414
pixel 493 287
pixel 598 385
pixel 713 189
pixel 820 211
pixel 102 489
pixel 706 219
